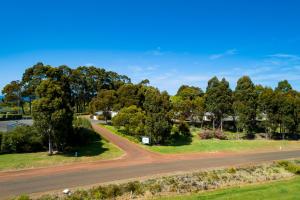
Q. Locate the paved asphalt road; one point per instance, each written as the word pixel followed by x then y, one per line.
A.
pixel 6 125
pixel 59 181
pixel 137 162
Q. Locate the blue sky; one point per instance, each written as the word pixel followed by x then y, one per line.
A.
pixel 169 42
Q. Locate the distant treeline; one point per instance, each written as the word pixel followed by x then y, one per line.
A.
pixel 144 110
pixel 83 82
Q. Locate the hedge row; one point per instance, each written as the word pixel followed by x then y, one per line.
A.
pixel 22 139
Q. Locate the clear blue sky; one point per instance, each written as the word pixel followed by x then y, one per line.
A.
pixel 169 42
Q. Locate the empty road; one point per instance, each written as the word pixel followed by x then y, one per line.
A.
pixel 137 162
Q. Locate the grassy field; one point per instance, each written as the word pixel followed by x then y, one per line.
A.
pixel 99 150
pixel 284 190
pixel 214 145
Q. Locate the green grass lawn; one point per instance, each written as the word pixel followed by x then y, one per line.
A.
pixel 283 190
pixel 214 145
pixel 99 150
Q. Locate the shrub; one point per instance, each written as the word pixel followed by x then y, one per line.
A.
pixel 98 193
pixel 290 166
pixel 113 191
pixel 135 188
pixel 155 188
pixel 22 139
pixel 184 129
pixel 206 134
pixel 220 135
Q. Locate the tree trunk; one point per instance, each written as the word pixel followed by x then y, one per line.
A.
pixel 23 111
pixel 221 124
pixel 30 106
pixel 105 116
pixel 213 124
pixel 50 145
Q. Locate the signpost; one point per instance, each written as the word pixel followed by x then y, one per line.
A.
pixel 145 140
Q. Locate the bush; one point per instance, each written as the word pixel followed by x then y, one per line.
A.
pixel 21 140
pixel 207 134
pixel 135 188
pixel 184 129
pixel 290 166
pixel 113 191
pixel 220 135
pixel 181 129
pixel 155 188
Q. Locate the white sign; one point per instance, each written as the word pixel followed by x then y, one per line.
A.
pixel 145 140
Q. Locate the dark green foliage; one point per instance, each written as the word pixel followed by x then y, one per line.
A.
pixel 10 116
pixel 189 92
pixel 52 110
pixel 22 139
pixel 158 122
pixel 158 127
pixel 282 108
pixel 283 86
pixel 132 119
pixel 218 100
pixel 13 93
pixel 84 82
pixel 245 105
pixel 188 103
pixel 181 129
pixel 104 102
pixel 82 134
pixel 128 95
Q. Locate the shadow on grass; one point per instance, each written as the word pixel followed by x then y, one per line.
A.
pixel 93 149
pixel 91 144
pixel 179 140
